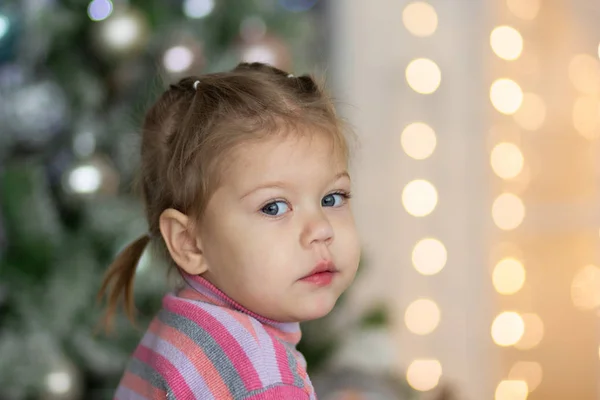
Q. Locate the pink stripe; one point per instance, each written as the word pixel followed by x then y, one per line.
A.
pixel 196 354
pixel 282 361
pixel 281 392
pixel 222 337
pixel 164 367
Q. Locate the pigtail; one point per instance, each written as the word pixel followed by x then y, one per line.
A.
pixel 118 281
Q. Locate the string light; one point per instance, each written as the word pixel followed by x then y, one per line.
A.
pixel 524 9
pixel 508 211
pixel 585 288
pixel 423 75
pixel 422 316
pixel 429 256
pixel 418 140
pixel 507 328
pixel 420 18
pixel 529 372
pixel 424 375
pixel 508 276
pixel 419 198
pixel 506 160
pixel 533 334
pixel 506 42
pixel 511 390
pixel 506 95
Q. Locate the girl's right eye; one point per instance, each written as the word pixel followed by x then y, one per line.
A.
pixel 275 208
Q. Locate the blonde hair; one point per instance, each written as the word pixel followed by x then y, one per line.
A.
pixel 192 129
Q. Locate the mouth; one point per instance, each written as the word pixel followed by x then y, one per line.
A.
pixel 322 274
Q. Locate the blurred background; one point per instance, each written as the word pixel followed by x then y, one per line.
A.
pixel 476 185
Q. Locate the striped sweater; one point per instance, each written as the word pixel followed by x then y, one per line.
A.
pixel 203 345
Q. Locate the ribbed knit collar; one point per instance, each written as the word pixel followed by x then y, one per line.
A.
pixel 288 332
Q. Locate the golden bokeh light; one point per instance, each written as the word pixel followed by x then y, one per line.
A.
pixel 533 334
pixel 506 95
pixel 423 75
pixel 529 372
pixel 429 256
pixel 508 276
pixel 506 42
pixel 508 211
pixel 422 316
pixel 584 73
pixel 419 198
pixel 424 375
pixel 418 140
pixel 532 113
pixel 507 328
pixel 586 115
pixel 524 9
pixel 511 390
pixel 585 288
pixel 420 18
pixel 506 160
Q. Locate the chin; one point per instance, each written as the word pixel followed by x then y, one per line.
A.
pixel 316 308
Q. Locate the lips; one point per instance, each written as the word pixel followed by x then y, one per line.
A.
pixel 322 274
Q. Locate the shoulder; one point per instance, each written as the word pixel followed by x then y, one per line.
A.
pixel 201 348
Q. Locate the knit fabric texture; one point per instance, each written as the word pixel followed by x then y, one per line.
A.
pixel 204 345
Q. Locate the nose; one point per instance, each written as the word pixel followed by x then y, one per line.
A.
pixel 317 229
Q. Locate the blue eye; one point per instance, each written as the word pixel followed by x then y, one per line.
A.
pixel 275 208
pixel 334 199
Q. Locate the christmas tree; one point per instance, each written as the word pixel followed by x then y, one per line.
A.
pixel 75 79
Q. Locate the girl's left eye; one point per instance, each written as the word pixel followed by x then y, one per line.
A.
pixel 334 200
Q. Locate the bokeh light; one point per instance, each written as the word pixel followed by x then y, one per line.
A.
pixel 422 316
pixel 420 18
pixel 423 75
pixel 506 160
pixel 586 115
pixel 506 95
pixel 424 375
pixel 529 372
pixel 585 288
pixel 507 328
pixel 85 179
pixel 98 10
pixel 584 73
pixel 508 276
pixel 508 211
pixel 429 256
pixel 178 59
pixel 419 198
pixel 198 8
pixel 524 9
pixel 532 113
pixel 506 42
pixel 533 334
pixel 511 390
pixel 418 140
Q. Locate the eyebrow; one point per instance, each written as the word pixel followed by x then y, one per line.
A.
pixel 281 185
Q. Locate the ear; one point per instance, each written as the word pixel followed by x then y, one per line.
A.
pixel 185 247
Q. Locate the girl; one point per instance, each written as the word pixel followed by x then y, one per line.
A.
pixel 246 188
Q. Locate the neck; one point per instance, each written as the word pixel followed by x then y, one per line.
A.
pixel 201 289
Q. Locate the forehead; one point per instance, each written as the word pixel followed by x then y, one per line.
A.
pixel 286 156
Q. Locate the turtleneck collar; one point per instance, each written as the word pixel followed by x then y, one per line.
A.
pixel 198 288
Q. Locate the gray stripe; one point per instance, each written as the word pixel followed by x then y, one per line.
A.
pixel 264 389
pixel 147 373
pixel 211 348
pixel 293 365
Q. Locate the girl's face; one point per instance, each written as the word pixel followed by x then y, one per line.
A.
pixel 280 213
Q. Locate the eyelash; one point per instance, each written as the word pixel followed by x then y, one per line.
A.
pixel 345 194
